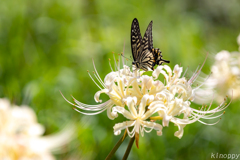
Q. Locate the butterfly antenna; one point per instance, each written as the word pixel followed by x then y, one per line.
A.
pixel 125 57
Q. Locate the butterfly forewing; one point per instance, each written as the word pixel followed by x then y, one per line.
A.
pixel 136 39
pixel 147 57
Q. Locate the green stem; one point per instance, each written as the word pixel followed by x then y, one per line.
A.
pixel 115 147
pixel 128 148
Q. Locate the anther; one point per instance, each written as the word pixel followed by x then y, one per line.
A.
pixel 87 70
pixel 224 112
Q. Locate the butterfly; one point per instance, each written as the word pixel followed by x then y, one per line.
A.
pixel 144 54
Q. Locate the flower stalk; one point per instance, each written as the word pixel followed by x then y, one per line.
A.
pixel 128 148
pixel 116 147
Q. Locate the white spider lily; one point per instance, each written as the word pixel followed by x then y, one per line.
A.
pixel 138 97
pixel 21 134
pixel 225 78
pixel 137 116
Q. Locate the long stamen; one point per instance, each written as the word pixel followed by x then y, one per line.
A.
pixel 102 106
pixel 118 60
pixel 94 80
pixel 115 62
pixel 99 78
pixel 205 80
pixel 90 113
pixel 209 124
pixel 110 64
pixel 198 72
pixel 91 107
pixel 123 52
pixel 185 72
pixel 210 117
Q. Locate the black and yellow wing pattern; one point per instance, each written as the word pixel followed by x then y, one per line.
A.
pixel 143 58
pixel 144 54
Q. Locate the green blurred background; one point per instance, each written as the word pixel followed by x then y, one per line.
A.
pixel 47 46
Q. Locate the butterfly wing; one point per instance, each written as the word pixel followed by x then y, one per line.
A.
pixel 146 57
pixel 149 34
pixel 136 40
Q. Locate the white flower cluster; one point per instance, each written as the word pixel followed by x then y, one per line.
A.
pixel 21 135
pixel 225 78
pixel 144 99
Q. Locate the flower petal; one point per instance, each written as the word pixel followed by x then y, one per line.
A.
pixel 123 111
pixel 153 125
pixel 179 133
pixel 97 95
pixel 117 128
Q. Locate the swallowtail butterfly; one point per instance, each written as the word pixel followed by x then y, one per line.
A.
pixel 144 55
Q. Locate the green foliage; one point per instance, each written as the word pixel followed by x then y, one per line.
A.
pixel 47 46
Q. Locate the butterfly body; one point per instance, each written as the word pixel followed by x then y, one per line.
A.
pixel 144 55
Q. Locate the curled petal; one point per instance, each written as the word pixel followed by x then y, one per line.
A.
pixel 131 103
pixel 146 99
pixel 157 71
pixel 110 79
pixel 123 111
pixel 164 95
pixel 111 115
pixel 117 128
pixel 179 133
pixel 147 81
pixel 177 71
pixel 168 69
pixel 153 125
pixel 97 95
pixel 165 117
pixel 153 108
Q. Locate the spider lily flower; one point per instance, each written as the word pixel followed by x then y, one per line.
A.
pixel 225 77
pixel 137 116
pixel 144 99
pixel 169 101
pixel 21 134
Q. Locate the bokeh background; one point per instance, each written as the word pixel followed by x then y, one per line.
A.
pixel 48 45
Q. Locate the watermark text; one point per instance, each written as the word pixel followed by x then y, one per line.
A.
pixel 224 156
